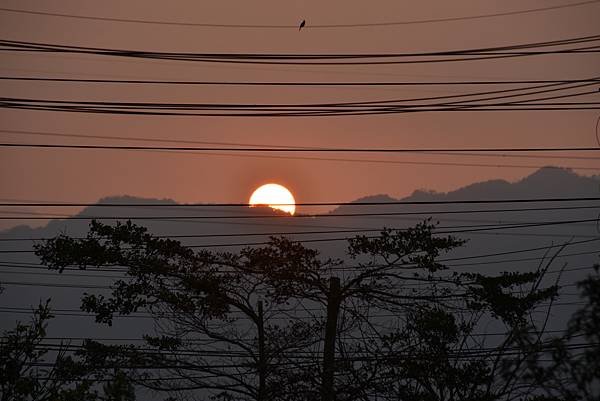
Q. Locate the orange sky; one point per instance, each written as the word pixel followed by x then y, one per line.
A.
pixel 75 175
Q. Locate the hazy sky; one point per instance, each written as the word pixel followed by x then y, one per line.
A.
pixel 76 175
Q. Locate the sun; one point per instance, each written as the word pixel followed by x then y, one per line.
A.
pixel 275 196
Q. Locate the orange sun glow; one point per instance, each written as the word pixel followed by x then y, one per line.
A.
pixel 275 196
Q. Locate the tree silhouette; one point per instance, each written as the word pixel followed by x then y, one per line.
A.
pixel 573 370
pixel 33 371
pixel 426 349
pixel 218 313
pixel 280 323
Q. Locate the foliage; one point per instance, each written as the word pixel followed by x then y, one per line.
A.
pixel 255 324
pixel 573 373
pixel 30 370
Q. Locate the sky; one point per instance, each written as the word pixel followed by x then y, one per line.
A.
pixel 88 175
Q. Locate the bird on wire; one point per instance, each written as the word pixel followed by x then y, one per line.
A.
pixel 302 24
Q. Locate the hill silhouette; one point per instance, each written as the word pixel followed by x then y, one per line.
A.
pixel 220 227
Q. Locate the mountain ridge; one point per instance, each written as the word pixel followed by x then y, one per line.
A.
pixel 541 183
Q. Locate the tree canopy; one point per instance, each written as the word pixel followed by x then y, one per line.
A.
pixel 281 322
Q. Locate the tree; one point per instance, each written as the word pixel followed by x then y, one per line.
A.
pixel 217 312
pixel 33 371
pixel 428 351
pixel 280 323
pixel 573 370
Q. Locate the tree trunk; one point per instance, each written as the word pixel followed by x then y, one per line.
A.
pixel 333 307
pixel 262 361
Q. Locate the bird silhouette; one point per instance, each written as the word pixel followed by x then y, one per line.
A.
pixel 302 24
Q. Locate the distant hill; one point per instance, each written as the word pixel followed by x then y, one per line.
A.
pixel 219 227
pixel 547 182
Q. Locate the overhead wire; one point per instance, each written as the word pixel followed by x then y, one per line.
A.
pixel 486 53
pixel 118 269
pixel 356 108
pixel 354 203
pixel 38 266
pixel 254 146
pixel 266 234
pixel 45 272
pixel 292 83
pixel 296 150
pixel 309 56
pixel 311 232
pixel 251 111
pixel 148 315
pixel 295 26
pixel 282 215
pixel 507 93
pixel 200 340
pixel 248 153
pixel 489 227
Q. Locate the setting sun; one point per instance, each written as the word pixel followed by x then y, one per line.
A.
pixel 275 196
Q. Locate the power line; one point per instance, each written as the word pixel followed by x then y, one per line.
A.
pixel 24 45
pixel 255 146
pixel 464 354
pixel 291 233
pixel 148 315
pixel 338 73
pixel 506 93
pixel 480 228
pixel 452 259
pixel 358 203
pixel 278 110
pixel 273 312
pixel 560 86
pixel 297 150
pixel 524 250
pixel 85 274
pixel 57 285
pixel 489 53
pixel 313 232
pixel 180 367
pixel 211 341
pixel 201 340
pixel 307 148
pixel 355 105
pixel 108 287
pixel 379 107
pixel 273 223
pixel 308 56
pixel 531 259
pixel 283 215
pixel 292 83
pixel 489 227
pixel 295 26
pixel 304 113
pixel 250 154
